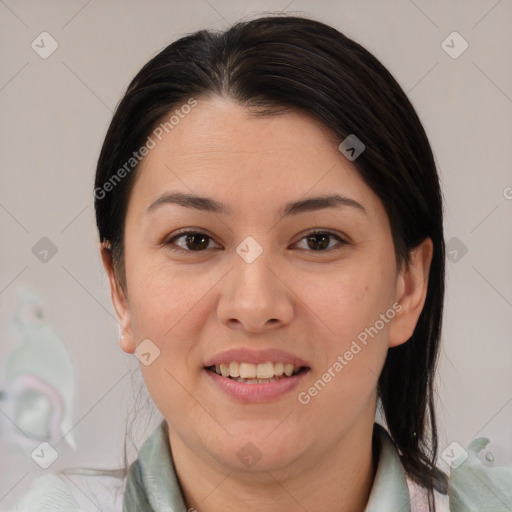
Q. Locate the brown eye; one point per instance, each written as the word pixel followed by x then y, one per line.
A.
pixel 191 241
pixel 196 241
pixel 319 241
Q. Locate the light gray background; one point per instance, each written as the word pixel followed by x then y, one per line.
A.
pixel 54 115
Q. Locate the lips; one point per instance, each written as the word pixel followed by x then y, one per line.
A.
pixel 256 391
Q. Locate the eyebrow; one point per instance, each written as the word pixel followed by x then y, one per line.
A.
pixel 207 204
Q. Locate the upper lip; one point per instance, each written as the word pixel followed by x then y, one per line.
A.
pixel 244 355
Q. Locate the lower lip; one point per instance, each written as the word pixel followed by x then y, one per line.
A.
pixel 252 393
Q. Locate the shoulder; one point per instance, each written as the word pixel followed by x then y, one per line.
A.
pixel 393 489
pixel 475 486
pixel 53 492
pixel 471 485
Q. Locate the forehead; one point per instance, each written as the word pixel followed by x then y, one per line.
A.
pixel 222 149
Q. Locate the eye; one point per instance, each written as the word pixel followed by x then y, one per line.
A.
pixel 193 241
pixel 319 241
pixel 197 241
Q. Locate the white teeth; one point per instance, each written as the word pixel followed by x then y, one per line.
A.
pixel 288 369
pixel 265 371
pixel 247 370
pixel 224 369
pixel 255 373
pixel 234 369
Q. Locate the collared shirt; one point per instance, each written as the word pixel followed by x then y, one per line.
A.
pixel 391 490
pixel 153 486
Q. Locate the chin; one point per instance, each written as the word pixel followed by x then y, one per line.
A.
pixel 260 447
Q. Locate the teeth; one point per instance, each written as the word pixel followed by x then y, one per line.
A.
pixel 224 369
pixel 256 373
pixel 234 369
pixel 288 369
pixel 247 371
pixel 265 371
pixel 255 381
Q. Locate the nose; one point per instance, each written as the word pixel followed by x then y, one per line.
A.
pixel 255 297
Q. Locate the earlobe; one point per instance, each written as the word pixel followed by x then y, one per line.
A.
pixel 411 292
pixel 119 301
pixel 126 343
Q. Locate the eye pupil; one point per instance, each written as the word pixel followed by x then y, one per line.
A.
pixel 324 241
pixel 191 238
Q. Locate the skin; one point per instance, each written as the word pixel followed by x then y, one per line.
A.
pixel 313 304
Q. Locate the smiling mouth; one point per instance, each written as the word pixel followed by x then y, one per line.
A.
pixel 262 373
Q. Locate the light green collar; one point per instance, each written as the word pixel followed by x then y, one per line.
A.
pixel 153 486
pixel 389 491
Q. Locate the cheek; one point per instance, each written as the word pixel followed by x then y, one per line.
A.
pixel 171 309
pixel 168 308
pixel 348 309
pixel 162 298
pixel 348 300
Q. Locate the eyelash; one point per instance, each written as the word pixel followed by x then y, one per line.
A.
pixel 170 242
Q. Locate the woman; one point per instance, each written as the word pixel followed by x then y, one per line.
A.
pixel 271 224
pixel 252 232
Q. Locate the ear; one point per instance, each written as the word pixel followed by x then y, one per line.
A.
pixel 411 291
pixel 120 302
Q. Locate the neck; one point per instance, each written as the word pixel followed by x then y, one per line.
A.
pixel 339 479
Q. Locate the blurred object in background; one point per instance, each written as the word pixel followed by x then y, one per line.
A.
pixel 39 380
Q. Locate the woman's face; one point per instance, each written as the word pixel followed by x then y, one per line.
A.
pixel 254 286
